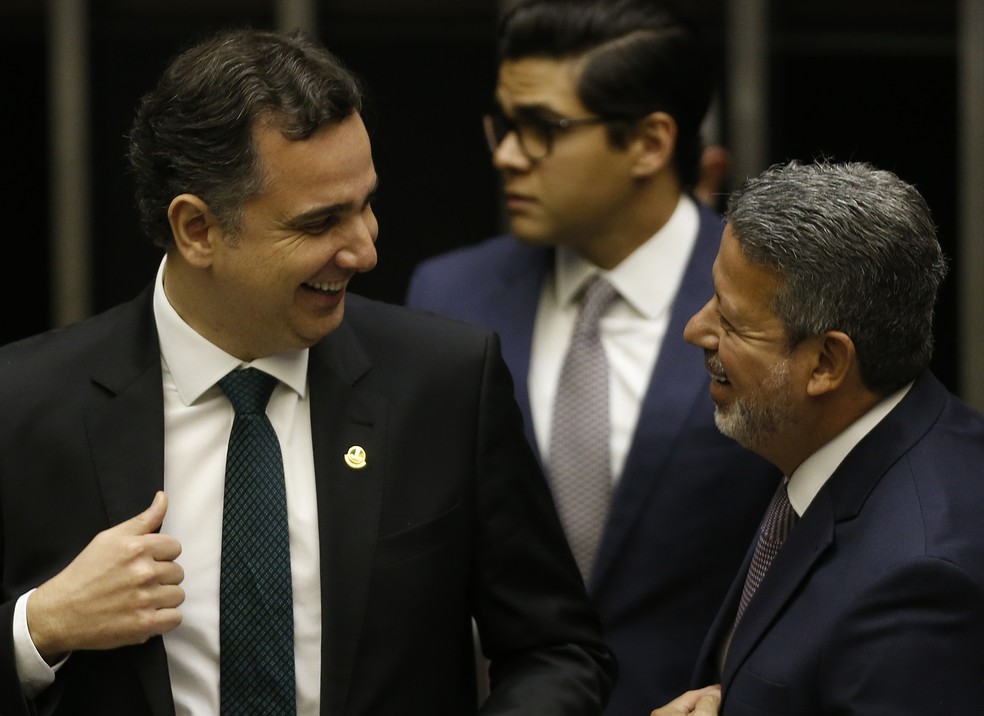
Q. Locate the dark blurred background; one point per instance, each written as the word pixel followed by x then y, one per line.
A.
pixel 872 80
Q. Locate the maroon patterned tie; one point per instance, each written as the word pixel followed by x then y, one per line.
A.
pixel 778 522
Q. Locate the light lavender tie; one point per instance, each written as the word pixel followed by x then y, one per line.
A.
pixel 779 520
pixel 579 464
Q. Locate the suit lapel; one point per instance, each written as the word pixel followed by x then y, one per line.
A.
pixel 126 437
pixel 344 416
pixel 806 544
pixel 707 669
pixel 510 305
pixel 679 379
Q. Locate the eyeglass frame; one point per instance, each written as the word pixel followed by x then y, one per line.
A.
pixel 551 127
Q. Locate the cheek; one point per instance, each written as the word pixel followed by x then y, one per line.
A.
pixel 741 365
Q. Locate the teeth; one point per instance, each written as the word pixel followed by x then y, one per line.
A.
pixel 716 370
pixel 330 286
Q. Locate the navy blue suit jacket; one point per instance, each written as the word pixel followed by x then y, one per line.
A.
pixel 449 520
pixel 689 499
pixel 875 604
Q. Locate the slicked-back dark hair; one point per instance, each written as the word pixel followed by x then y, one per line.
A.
pixel 194 132
pixel 640 56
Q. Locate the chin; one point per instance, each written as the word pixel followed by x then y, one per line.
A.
pixel 529 232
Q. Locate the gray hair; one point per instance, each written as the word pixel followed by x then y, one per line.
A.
pixel 855 250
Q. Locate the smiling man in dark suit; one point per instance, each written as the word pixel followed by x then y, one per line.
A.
pixel 818 339
pixel 408 493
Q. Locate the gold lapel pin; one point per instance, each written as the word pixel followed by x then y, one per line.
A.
pixel 355 458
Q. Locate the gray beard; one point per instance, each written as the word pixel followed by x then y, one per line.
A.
pixel 752 419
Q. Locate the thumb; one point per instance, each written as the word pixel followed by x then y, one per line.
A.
pixel 147 521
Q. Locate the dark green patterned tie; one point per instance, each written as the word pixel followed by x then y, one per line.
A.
pixel 256 623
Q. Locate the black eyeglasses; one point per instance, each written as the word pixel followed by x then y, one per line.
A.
pixel 535 133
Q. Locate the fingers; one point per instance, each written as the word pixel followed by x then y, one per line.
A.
pixel 162 548
pixel 147 521
pixel 699 702
pixel 708 704
pixel 122 588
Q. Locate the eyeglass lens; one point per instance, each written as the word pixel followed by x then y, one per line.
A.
pixel 533 136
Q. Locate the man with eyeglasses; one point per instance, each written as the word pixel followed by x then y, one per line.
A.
pixel 596 133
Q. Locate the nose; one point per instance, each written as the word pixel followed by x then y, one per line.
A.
pixel 359 251
pixel 509 156
pixel 700 331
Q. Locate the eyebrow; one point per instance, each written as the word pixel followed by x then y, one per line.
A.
pixel 323 212
pixel 534 109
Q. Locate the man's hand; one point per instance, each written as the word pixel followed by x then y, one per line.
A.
pixel 701 702
pixel 122 589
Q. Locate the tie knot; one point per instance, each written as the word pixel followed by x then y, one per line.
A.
pixel 596 298
pixel 248 390
pixel 780 518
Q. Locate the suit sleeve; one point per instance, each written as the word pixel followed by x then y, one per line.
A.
pixel 536 625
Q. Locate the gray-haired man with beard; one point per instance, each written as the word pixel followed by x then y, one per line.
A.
pixel 818 339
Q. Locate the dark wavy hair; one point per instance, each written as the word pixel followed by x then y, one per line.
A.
pixel 640 56
pixel 194 132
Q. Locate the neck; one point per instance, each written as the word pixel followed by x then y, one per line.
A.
pixel 185 288
pixel 646 214
pixel 828 417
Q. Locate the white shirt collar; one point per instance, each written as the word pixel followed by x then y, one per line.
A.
pixel 196 364
pixel 649 277
pixel 813 473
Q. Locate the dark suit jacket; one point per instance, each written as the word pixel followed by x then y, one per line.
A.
pixel 451 518
pixel 689 499
pixel 875 604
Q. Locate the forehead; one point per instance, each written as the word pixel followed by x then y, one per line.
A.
pixel 744 289
pixel 332 165
pixel 540 82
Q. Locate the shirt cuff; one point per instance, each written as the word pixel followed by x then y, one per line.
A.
pixel 33 671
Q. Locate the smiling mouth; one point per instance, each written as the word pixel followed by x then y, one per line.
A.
pixel 325 286
pixel 716 370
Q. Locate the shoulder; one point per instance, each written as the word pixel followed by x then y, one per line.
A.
pixel 474 254
pixel 930 496
pixel 393 327
pixel 495 256
pixel 461 281
pixel 74 348
pixel 407 350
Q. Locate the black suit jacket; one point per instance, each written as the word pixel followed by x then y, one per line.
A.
pixel 450 519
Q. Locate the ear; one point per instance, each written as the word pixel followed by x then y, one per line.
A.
pixel 195 229
pixel 835 359
pixel 654 143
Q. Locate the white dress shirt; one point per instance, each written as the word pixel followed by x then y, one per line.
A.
pixel 197 422
pixel 632 331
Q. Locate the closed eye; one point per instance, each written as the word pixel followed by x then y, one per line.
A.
pixel 319 227
pixel 726 325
